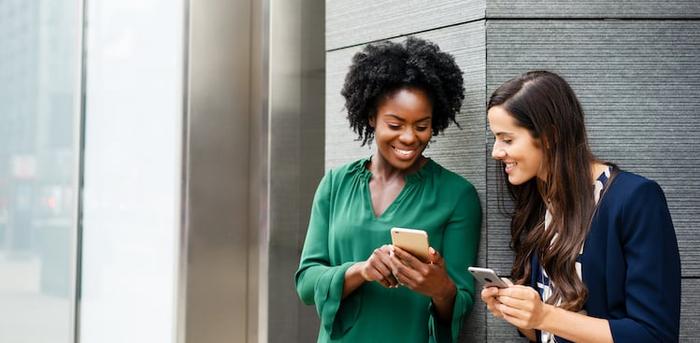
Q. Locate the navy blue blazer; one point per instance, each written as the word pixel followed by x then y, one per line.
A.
pixel 630 263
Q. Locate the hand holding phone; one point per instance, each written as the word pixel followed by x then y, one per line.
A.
pixel 413 241
pixel 487 277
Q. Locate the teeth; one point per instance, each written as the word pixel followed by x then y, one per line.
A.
pixel 404 152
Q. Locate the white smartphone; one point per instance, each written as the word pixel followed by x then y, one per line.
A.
pixel 487 277
pixel 411 240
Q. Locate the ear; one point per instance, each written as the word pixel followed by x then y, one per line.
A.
pixel 373 121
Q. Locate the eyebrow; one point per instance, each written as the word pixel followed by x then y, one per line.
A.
pixel 402 119
pixel 503 134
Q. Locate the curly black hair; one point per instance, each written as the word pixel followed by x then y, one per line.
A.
pixel 384 67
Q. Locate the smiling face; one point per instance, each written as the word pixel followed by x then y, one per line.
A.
pixel 514 146
pixel 403 127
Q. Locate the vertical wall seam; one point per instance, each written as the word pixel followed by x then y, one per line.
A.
pixel 486 163
pixel 80 175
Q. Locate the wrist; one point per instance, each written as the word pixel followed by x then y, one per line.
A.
pixel 357 270
pixel 447 295
pixel 548 313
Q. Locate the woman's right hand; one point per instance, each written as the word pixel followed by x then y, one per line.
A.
pixel 377 267
pixel 489 296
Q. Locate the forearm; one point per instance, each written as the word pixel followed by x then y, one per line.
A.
pixel 353 279
pixel 574 326
pixel 444 304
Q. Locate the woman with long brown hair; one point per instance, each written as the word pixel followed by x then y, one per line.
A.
pixel 596 257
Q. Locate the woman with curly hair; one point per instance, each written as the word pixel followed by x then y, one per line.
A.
pixel 596 257
pixel 365 290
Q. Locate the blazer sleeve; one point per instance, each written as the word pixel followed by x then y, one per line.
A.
pixel 460 245
pixel 318 282
pixel 653 275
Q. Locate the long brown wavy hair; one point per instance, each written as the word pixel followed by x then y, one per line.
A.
pixel 544 104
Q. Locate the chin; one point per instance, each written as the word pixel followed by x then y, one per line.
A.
pixel 399 163
pixel 518 180
pixel 515 180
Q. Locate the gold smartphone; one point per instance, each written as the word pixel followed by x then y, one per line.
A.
pixel 411 240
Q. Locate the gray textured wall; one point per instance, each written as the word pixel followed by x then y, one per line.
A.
pixel 638 77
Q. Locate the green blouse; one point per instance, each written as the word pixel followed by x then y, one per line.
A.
pixel 343 230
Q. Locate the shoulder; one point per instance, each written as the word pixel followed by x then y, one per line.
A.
pixel 628 187
pixel 339 178
pixel 460 195
pixel 638 203
pixel 347 170
pixel 453 183
pixel 350 167
pixel 629 180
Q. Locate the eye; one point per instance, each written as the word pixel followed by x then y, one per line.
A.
pixel 504 139
pixel 393 126
pixel 421 128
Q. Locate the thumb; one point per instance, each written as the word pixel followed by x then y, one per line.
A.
pixel 435 257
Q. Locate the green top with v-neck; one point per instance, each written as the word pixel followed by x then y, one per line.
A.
pixel 343 230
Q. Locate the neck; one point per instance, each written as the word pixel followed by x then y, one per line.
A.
pixel 597 168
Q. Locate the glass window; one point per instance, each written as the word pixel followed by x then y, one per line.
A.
pixel 39 111
pixel 132 170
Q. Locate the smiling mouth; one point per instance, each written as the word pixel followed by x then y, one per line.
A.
pixel 509 166
pixel 405 154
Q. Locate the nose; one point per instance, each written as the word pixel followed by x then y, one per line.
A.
pixel 407 137
pixel 498 153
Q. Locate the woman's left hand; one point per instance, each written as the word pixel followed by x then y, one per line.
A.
pixel 522 306
pixel 429 278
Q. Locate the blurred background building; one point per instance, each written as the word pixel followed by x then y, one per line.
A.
pixel 158 157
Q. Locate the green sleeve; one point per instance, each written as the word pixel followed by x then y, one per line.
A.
pixel 317 281
pixel 460 245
